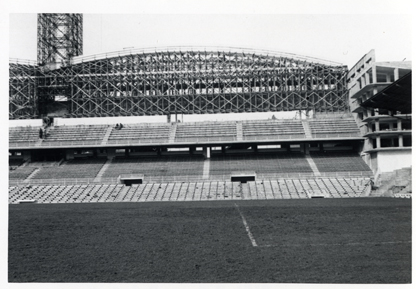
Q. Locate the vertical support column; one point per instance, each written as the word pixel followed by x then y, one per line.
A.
pixel 400 140
pixel 363 81
pixel 377 125
pixel 399 124
pixel 207 152
pixel 378 142
pixel 374 74
pixel 396 74
pixel 367 77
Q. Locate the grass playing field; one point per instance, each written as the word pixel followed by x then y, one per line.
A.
pixel 357 240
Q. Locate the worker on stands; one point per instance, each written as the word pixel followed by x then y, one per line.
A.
pixel 117 127
pixel 40 133
pixel 121 126
pixel 46 121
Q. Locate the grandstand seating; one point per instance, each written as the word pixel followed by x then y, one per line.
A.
pixel 192 191
pixel 167 168
pixel 140 134
pixel 81 134
pixel 206 131
pixel 339 162
pixel 21 173
pixel 324 128
pixel 23 135
pixel 222 131
pixel 72 169
pixel 156 167
pixel 260 163
pixel 273 129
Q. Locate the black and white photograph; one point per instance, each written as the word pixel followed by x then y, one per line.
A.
pixel 188 143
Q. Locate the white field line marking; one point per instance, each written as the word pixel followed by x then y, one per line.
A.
pixel 339 244
pixel 250 235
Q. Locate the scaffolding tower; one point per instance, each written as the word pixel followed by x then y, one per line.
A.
pixel 59 37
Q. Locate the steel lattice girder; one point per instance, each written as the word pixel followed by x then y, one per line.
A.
pixel 204 82
pixel 22 91
pixel 193 83
pixel 59 37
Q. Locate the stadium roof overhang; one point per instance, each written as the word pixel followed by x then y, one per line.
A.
pixel 395 97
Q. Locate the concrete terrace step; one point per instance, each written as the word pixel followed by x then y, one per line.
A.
pixel 172 132
pixel 187 191
pixel 103 170
pixel 107 135
pixel 32 175
pixel 239 127
pixel 307 129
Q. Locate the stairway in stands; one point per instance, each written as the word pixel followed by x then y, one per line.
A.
pixel 107 135
pixel 239 131
pixel 27 180
pixel 172 132
pixel 103 169
pixel 307 129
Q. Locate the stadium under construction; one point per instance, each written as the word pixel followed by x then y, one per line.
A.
pixel 351 137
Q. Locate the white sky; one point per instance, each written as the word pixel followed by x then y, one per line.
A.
pixel 336 37
pixel 317 29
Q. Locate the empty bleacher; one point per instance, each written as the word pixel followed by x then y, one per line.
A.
pixel 140 134
pixel 197 132
pixel 72 169
pixel 273 129
pixel 262 164
pixel 80 134
pixel 340 162
pixel 23 136
pixel 206 131
pixel 340 127
pixel 219 167
pixel 156 168
pixel 21 173
pixel 193 191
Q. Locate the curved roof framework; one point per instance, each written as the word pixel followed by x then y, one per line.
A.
pixel 194 81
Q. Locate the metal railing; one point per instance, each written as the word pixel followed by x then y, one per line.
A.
pixel 23 61
pixel 332 135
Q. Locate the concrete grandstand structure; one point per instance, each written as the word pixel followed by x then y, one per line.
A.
pixel 318 155
pixel 380 94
